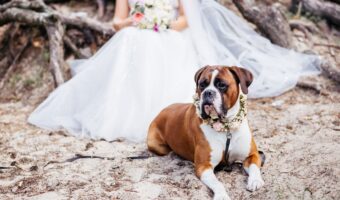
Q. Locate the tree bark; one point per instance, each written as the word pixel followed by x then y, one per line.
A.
pixel 101 8
pixel 84 22
pixel 74 48
pixel 35 5
pixel 22 16
pixel 55 33
pixel 270 21
pixel 326 9
pixel 335 1
pixel 13 66
pixel 23 12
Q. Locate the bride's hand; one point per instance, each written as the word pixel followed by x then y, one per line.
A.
pixel 119 24
pixel 121 18
pixel 181 22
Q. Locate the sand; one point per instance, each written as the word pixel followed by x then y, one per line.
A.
pixel 299 132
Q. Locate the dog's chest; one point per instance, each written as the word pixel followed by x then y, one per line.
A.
pixel 239 147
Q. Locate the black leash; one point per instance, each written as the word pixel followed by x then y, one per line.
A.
pixel 227 167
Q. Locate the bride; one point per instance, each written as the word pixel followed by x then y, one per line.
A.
pixel 151 61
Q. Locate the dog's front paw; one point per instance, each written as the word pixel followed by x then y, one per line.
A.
pixel 221 196
pixel 254 183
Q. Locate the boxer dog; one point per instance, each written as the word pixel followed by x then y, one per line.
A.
pixel 212 131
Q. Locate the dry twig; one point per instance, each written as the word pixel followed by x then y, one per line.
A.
pixel 77 157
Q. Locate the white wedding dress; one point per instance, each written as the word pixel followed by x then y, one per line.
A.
pixel 117 92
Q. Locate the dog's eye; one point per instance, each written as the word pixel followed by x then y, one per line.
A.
pixel 203 85
pixel 221 86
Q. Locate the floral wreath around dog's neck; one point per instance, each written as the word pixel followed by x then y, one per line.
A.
pixel 224 125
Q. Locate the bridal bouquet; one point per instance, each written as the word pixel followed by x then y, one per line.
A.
pixel 152 14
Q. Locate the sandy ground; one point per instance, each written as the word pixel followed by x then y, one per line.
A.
pixel 299 131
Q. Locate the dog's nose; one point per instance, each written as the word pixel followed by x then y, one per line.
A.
pixel 209 94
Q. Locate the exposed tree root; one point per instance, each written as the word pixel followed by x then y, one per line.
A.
pixel 326 9
pixel 269 19
pixel 331 70
pixel 37 13
pixel 310 85
pixel 13 66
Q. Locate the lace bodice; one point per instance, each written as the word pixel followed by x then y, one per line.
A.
pixel 174 3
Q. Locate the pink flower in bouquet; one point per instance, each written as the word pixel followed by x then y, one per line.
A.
pixel 218 126
pixel 137 17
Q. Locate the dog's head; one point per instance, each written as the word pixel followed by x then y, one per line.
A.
pixel 218 88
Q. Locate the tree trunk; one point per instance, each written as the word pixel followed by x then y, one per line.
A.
pixel 270 21
pixel 326 9
pixel 55 33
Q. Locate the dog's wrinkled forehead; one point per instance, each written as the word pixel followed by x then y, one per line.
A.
pixel 229 75
pixel 210 74
pixel 205 73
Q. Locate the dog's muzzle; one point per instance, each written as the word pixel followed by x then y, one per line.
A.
pixel 207 105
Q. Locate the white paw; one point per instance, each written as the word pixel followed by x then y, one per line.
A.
pixel 221 196
pixel 254 183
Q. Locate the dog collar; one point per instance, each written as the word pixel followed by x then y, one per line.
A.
pixel 224 125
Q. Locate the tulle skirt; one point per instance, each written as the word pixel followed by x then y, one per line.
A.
pixel 123 86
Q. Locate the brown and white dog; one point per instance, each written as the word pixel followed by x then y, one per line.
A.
pixel 181 128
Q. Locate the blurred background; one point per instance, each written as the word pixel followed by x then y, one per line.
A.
pixel 310 26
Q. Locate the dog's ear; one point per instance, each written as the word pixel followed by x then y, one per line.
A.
pixel 199 73
pixel 243 77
